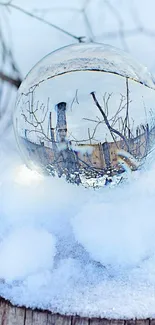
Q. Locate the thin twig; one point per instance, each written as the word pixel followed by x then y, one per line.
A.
pixel 11 5
pixel 126 121
pixel 75 99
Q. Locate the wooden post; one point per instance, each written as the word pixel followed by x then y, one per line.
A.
pixel 13 315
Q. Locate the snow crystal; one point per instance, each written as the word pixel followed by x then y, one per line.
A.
pixel 74 250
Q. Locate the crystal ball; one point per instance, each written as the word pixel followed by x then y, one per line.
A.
pixel 86 113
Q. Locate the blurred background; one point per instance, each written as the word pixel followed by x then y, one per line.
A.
pixel 30 29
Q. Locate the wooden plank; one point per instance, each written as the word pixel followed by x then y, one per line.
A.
pixel 76 320
pixel 130 322
pixel 15 316
pixel 28 317
pixel 39 318
pixel 152 321
pixel 56 319
pixel 97 321
pixel 4 307
pixel 105 321
pixel 117 322
pixel 142 322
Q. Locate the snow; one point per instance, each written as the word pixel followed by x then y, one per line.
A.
pixel 18 245
pixel 74 250
pixel 113 231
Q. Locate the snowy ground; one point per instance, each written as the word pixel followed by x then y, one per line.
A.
pixel 73 250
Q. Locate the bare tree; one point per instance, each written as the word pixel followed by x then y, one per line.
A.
pixel 111 129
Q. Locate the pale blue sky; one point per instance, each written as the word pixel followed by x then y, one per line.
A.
pixel 32 39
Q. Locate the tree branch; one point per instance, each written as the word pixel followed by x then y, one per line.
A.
pixel 111 129
pixel 10 80
pixel 126 121
pixel 11 5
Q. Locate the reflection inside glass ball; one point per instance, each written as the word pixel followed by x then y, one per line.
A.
pixel 89 120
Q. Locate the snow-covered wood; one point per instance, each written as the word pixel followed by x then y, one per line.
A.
pixel 13 315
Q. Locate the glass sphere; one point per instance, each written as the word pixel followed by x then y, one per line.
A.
pixel 86 113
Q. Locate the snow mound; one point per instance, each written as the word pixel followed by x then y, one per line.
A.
pixel 26 251
pixel 77 251
pixel 119 232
